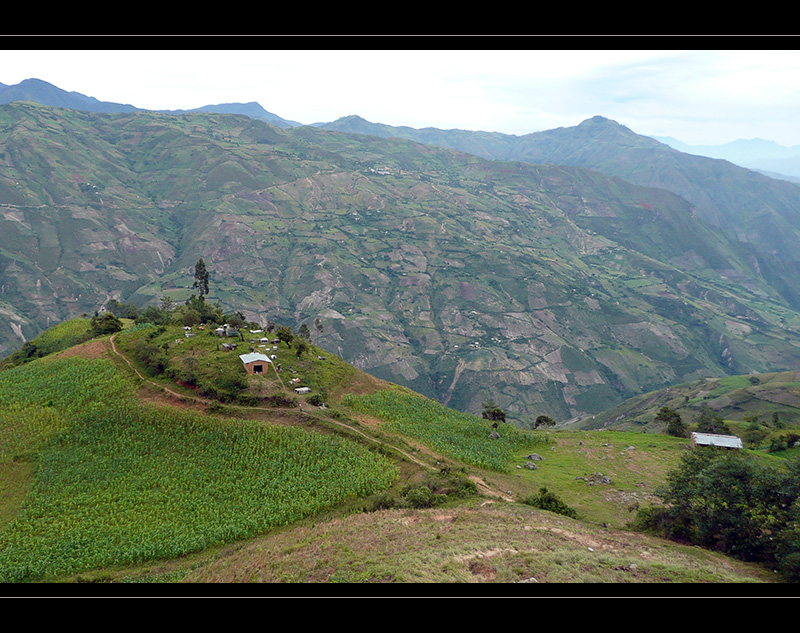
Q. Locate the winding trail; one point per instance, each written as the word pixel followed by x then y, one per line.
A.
pixel 482 486
pixel 155 384
pixel 208 402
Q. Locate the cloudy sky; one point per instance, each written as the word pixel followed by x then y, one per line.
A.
pixel 510 85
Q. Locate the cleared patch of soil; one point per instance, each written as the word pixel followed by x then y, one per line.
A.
pixel 91 349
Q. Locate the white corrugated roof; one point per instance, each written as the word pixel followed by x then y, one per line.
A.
pixel 254 356
pixel 728 441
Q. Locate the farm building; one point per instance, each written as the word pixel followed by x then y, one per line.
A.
pixel 255 363
pixel 303 390
pixel 710 439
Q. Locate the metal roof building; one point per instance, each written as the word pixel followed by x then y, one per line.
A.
pixel 711 439
pixel 254 362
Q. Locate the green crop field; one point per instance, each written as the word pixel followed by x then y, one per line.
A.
pixel 117 483
pixel 455 434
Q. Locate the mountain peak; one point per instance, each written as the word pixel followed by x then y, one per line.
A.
pixel 598 121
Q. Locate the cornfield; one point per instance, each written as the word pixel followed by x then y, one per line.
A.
pixel 458 435
pixel 119 483
pixel 66 384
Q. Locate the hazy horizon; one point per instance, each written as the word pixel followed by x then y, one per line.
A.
pixel 698 97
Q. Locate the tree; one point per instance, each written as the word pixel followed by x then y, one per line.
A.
pixel 304 332
pixel 710 422
pixel 105 323
pixel 302 347
pixel 492 412
pixel 236 320
pixel 154 315
pixel 544 420
pixel 208 313
pixel 201 278
pixel 167 304
pixel 123 310
pixel 754 435
pixel 284 333
pixel 732 502
pixel 672 420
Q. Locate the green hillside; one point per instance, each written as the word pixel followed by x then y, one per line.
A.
pixel 551 290
pixel 747 206
pixel 116 470
pixel 769 397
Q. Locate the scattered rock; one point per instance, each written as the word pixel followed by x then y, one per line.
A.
pixel 531 466
pixel 596 478
pixel 494 435
pixel 535 457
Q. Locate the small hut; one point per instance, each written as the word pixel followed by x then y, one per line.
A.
pixel 254 362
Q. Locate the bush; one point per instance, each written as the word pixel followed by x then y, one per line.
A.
pixel 547 500
pixel 418 497
pixel 105 323
pixel 710 422
pixel 151 356
pixel 673 422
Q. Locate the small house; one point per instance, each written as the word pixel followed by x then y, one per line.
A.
pixel 712 439
pixel 302 390
pixel 255 363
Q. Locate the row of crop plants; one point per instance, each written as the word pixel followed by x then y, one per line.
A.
pixel 119 483
pixel 459 435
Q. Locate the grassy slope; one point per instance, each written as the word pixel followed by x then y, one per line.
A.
pixel 733 397
pixel 478 539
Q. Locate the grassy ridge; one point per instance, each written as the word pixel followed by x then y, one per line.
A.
pixel 733 397
pixel 54 339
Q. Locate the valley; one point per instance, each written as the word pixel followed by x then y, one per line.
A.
pixel 588 283
pixel 551 289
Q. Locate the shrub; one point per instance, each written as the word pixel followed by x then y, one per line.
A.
pixel 672 420
pixel 547 500
pixel 418 497
pixel 151 356
pixel 315 399
pixel 105 323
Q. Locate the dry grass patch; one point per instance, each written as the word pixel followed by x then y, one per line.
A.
pixel 493 543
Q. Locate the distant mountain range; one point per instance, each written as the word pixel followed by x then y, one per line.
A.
pixel 765 156
pixel 576 268
pixel 45 93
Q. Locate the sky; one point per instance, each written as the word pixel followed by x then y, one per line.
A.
pixel 698 96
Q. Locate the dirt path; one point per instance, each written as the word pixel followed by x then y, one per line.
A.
pixel 151 382
pixel 204 401
pixel 482 486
